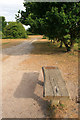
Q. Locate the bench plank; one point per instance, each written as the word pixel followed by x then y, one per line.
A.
pixel 47 86
pixel 54 85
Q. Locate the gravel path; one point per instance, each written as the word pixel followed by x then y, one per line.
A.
pixel 22 89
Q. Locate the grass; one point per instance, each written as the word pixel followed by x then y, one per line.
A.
pixel 5 43
pixel 62 105
pixel 44 46
pixel 46 54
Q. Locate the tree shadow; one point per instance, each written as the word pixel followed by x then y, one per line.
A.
pixel 47 48
pixel 38 47
pixel 26 89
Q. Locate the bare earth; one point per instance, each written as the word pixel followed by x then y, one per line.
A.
pixel 22 82
pixel 22 92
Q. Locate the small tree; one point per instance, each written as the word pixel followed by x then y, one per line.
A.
pixel 15 30
pixel 3 23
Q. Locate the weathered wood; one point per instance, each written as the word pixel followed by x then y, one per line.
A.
pixel 54 85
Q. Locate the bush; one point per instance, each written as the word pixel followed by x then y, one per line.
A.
pixel 15 30
pixel 29 33
pixel 1 35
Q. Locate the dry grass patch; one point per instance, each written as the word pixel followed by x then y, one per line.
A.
pixel 45 47
pixel 34 36
pixel 45 54
pixel 68 66
pixel 66 109
pixel 6 43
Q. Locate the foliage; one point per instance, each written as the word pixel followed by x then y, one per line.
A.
pixel 65 21
pixel 0 24
pixel 2 35
pixel 33 16
pixel 29 33
pixel 79 44
pixel 58 21
pixel 15 30
pixel 3 23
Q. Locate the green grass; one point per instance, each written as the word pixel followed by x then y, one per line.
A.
pixel 62 105
pixel 5 43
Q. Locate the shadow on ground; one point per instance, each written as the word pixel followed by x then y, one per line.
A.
pixel 27 87
pixel 47 48
pixel 39 47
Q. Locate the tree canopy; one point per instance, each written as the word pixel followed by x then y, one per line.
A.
pixel 14 30
pixel 3 23
pixel 55 20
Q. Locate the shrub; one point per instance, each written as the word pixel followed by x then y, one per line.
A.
pixel 1 35
pixel 29 33
pixel 15 30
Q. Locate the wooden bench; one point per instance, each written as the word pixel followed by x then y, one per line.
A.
pixel 54 85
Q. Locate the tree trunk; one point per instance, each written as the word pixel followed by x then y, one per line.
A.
pixel 51 41
pixel 67 47
pixel 71 46
pixel 60 45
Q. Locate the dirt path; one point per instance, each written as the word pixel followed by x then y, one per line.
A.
pixel 22 84
pixel 22 95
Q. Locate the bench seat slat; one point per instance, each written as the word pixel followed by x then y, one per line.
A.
pixel 54 85
pixel 47 86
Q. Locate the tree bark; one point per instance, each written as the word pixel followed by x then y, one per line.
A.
pixel 72 45
pixel 60 45
pixel 51 41
pixel 67 47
